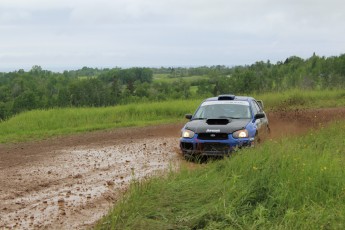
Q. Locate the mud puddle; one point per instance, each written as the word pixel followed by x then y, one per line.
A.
pixel 78 186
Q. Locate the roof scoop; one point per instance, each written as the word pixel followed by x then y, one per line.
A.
pixel 226 97
pixel 222 121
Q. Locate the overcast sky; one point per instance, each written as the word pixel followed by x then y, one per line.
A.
pixel 70 34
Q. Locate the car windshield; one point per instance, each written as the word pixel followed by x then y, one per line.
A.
pixel 223 109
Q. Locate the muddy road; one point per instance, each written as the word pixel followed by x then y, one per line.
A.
pixel 70 182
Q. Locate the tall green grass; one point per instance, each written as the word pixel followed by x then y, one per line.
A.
pixel 45 123
pixel 294 183
pixel 40 124
pixel 303 99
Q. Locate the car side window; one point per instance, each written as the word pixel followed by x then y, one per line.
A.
pixel 254 107
pixel 257 106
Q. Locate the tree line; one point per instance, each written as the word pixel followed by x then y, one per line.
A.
pixel 42 89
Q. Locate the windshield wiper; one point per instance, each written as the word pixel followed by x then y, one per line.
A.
pixel 224 117
pixel 199 118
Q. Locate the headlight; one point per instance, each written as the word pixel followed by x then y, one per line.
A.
pixel 187 133
pixel 240 134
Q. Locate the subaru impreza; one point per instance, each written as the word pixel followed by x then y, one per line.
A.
pixel 223 124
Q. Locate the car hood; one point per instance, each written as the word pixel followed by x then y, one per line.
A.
pixel 217 125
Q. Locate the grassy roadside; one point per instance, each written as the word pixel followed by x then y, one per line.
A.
pixel 293 183
pixel 41 124
pixel 303 99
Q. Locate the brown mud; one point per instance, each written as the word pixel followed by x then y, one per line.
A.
pixel 70 182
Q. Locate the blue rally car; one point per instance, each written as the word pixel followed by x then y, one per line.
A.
pixel 223 124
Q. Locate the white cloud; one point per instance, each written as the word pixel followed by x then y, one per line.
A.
pixel 157 32
pixel 14 16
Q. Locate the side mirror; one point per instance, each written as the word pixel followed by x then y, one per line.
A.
pixel 259 115
pixel 189 116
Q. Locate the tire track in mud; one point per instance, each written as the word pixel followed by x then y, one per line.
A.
pixel 71 182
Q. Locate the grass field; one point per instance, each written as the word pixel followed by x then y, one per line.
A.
pixel 303 99
pixel 293 183
pixel 40 124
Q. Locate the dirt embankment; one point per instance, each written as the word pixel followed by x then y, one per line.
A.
pixel 70 182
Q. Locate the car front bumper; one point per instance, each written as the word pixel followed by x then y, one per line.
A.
pixel 195 146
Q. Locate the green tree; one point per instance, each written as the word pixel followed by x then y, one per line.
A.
pixel 26 101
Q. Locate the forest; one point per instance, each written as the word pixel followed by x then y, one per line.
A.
pixel 92 87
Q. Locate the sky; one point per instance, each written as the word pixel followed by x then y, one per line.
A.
pixel 69 34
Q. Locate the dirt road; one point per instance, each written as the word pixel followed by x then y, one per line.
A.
pixel 70 182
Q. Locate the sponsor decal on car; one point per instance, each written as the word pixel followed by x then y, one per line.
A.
pixel 212 130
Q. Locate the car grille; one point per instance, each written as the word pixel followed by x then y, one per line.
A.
pixel 213 147
pixel 213 136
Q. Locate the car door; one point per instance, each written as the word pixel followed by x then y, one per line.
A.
pixel 261 122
